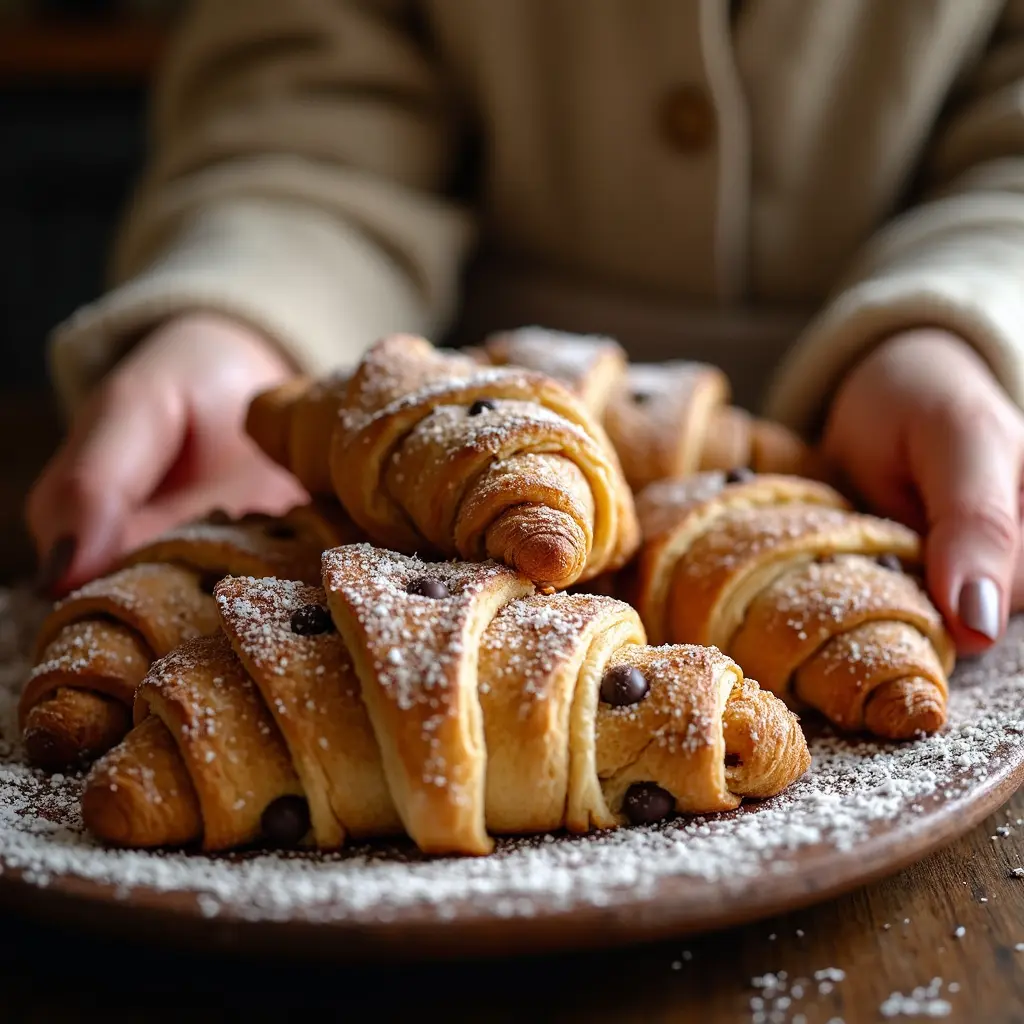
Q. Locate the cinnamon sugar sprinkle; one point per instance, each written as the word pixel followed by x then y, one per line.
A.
pixel 854 790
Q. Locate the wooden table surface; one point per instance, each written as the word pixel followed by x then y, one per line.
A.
pixel 51 976
pixel 46 975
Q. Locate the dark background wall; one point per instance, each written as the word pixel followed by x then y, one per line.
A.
pixel 66 160
pixel 74 77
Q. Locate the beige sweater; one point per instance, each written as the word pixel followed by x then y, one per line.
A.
pixel 771 184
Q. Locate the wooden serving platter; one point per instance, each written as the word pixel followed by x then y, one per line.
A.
pixel 864 810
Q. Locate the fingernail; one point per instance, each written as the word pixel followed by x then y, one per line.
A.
pixel 979 607
pixel 56 565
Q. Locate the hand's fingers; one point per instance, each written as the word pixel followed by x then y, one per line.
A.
pixel 1017 587
pixel 968 469
pixel 114 458
pixel 259 488
pixel 872 471
pixel 1017 592
pixel 889 496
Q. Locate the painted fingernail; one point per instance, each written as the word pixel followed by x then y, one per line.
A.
pixel 979 607
pixel 56 565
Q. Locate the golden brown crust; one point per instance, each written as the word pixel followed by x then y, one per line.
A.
pixel 765 746
pixel 727 440
pixel 139 794
pixel 413 458
pixel 290 421
pixel 69 727
pixel 94 655
pixel 883 652
pixel 255 545
pixel 417 659
pixel 417 472
pixel 776 449
pixel 229 742
pixel 666 420
pixel 268 419
pixel 322 523
pixel 590 366
pixel 673 737
pixel 102 638
pixel 659 419
pixel 780 573
pixel 310 686
pixel 542 659
pixel 673 513
pixel 163 604
pixel 470 706
pixel 905 708
pixel 797 614
pixel 740 554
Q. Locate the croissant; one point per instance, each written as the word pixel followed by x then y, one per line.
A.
pixel 447 701
pixel 97 644
pixel 666 420
pixel 820 603
pixel 430 452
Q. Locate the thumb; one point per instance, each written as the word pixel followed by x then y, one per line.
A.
pixel 968 472
pixel 112 461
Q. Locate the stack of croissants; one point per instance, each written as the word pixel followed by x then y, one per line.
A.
pixel 518 601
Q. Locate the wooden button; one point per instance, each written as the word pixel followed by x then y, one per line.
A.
pixel 686 119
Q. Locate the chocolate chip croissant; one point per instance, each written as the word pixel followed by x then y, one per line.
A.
pixel 432 453
pixel 817 601
pixel 666 420
pixel 97 644
pixel 448 701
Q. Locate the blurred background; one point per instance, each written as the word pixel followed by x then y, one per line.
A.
pixel 74 77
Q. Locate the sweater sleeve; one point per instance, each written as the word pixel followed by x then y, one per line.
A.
pixel 955 261
pixel 300 156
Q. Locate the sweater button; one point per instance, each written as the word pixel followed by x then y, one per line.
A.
pixel 686 119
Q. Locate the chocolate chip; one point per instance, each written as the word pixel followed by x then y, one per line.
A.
pixel 481 405
pixel 642 397
pixel 209 580
pixel 312 620
pixel 426 587
pixel 646 803
pixel 739 475
pixel 280 531
pixel 218 517
pixel 890 562
pixel 624 685
pixel 733 760
pixel 285 820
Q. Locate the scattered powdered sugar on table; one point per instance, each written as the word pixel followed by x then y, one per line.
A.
pixel 924 1001
pixel 776 997
pixel 853 790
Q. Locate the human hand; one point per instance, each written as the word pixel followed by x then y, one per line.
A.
pixel 924 432
pixel 161 441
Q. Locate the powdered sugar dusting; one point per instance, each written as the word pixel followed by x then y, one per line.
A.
pixel 669 385
pixel 818 598
pixel 425 631
pixel 81 645
pixel 537 635
pixel 745 535
pixel 450 429
pixel 854 791
pixel 282 546
pixel 568 358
